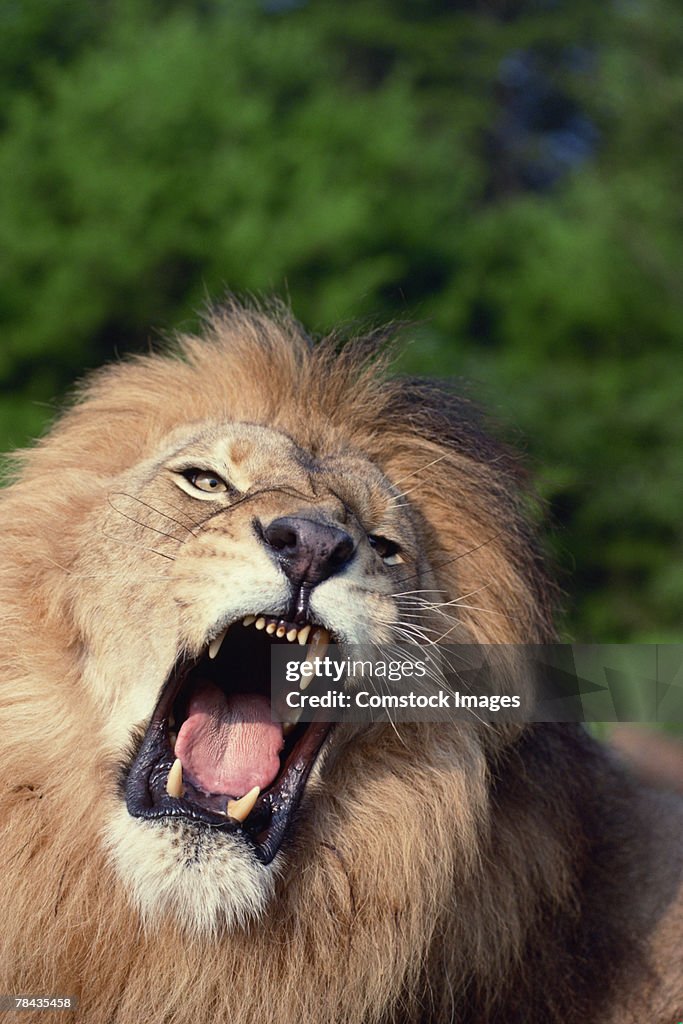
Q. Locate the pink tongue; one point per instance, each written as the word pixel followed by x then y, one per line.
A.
pixel 228 745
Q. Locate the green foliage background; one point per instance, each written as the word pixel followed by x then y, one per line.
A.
pixel 340 153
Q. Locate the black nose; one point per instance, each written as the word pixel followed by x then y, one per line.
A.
pixel 308 551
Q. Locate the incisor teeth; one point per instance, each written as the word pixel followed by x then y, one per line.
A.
pixel 281 630
pixel 291 635
pixel 242 808
pixel 260 623
pixel 174 782
pixel 248 619
pixel 270 628
pixel 303 635
pixel 215 645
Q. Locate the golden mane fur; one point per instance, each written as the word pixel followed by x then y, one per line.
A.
pixel 438 872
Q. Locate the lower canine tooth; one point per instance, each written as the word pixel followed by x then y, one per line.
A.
pixel 215 645
pixel 174 782
pixel 242 808
pixel 292 721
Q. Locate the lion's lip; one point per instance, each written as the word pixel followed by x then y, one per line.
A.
pixel 146 786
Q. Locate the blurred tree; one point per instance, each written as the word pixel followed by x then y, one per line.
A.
pixel 504 171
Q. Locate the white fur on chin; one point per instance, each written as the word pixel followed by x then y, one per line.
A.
pixel 206 882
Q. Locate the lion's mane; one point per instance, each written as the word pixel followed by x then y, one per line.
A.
pixel 462 902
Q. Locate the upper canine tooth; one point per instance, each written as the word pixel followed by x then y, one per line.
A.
pixel 260 623
pixel 248 619
pixel 242 808
pixel 215 645
pixel 316 649
pixel 174 782
pixel 306 680
pixel 303 634
pixel 318 644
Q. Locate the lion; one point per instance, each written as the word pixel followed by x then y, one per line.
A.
pixel 170 852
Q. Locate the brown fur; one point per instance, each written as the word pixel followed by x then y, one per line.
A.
pixel 437 872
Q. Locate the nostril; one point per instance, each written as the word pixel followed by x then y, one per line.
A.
pixel 308 550
pixel 342 552
pixel 280 536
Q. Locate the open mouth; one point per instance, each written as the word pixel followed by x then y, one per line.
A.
pixel 213 753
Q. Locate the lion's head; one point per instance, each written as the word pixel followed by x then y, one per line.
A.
pixel 191 508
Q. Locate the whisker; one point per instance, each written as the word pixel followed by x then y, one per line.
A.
pixel 412 637
pixel 117 575
pixel 386 710
pixel 491 611
pixel 432 590
pixel 404 494
pixel 64 568
pixel 159 512
pixel 420 470
pixel 417 628
pixel 250 495
pixel 438 608
pixel 456 558
pixel 136 544
pixel 145 526
pixel 437 676
pixel 460 599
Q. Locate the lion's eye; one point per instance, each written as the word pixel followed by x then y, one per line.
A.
pixel 205 480
pixel 388 550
